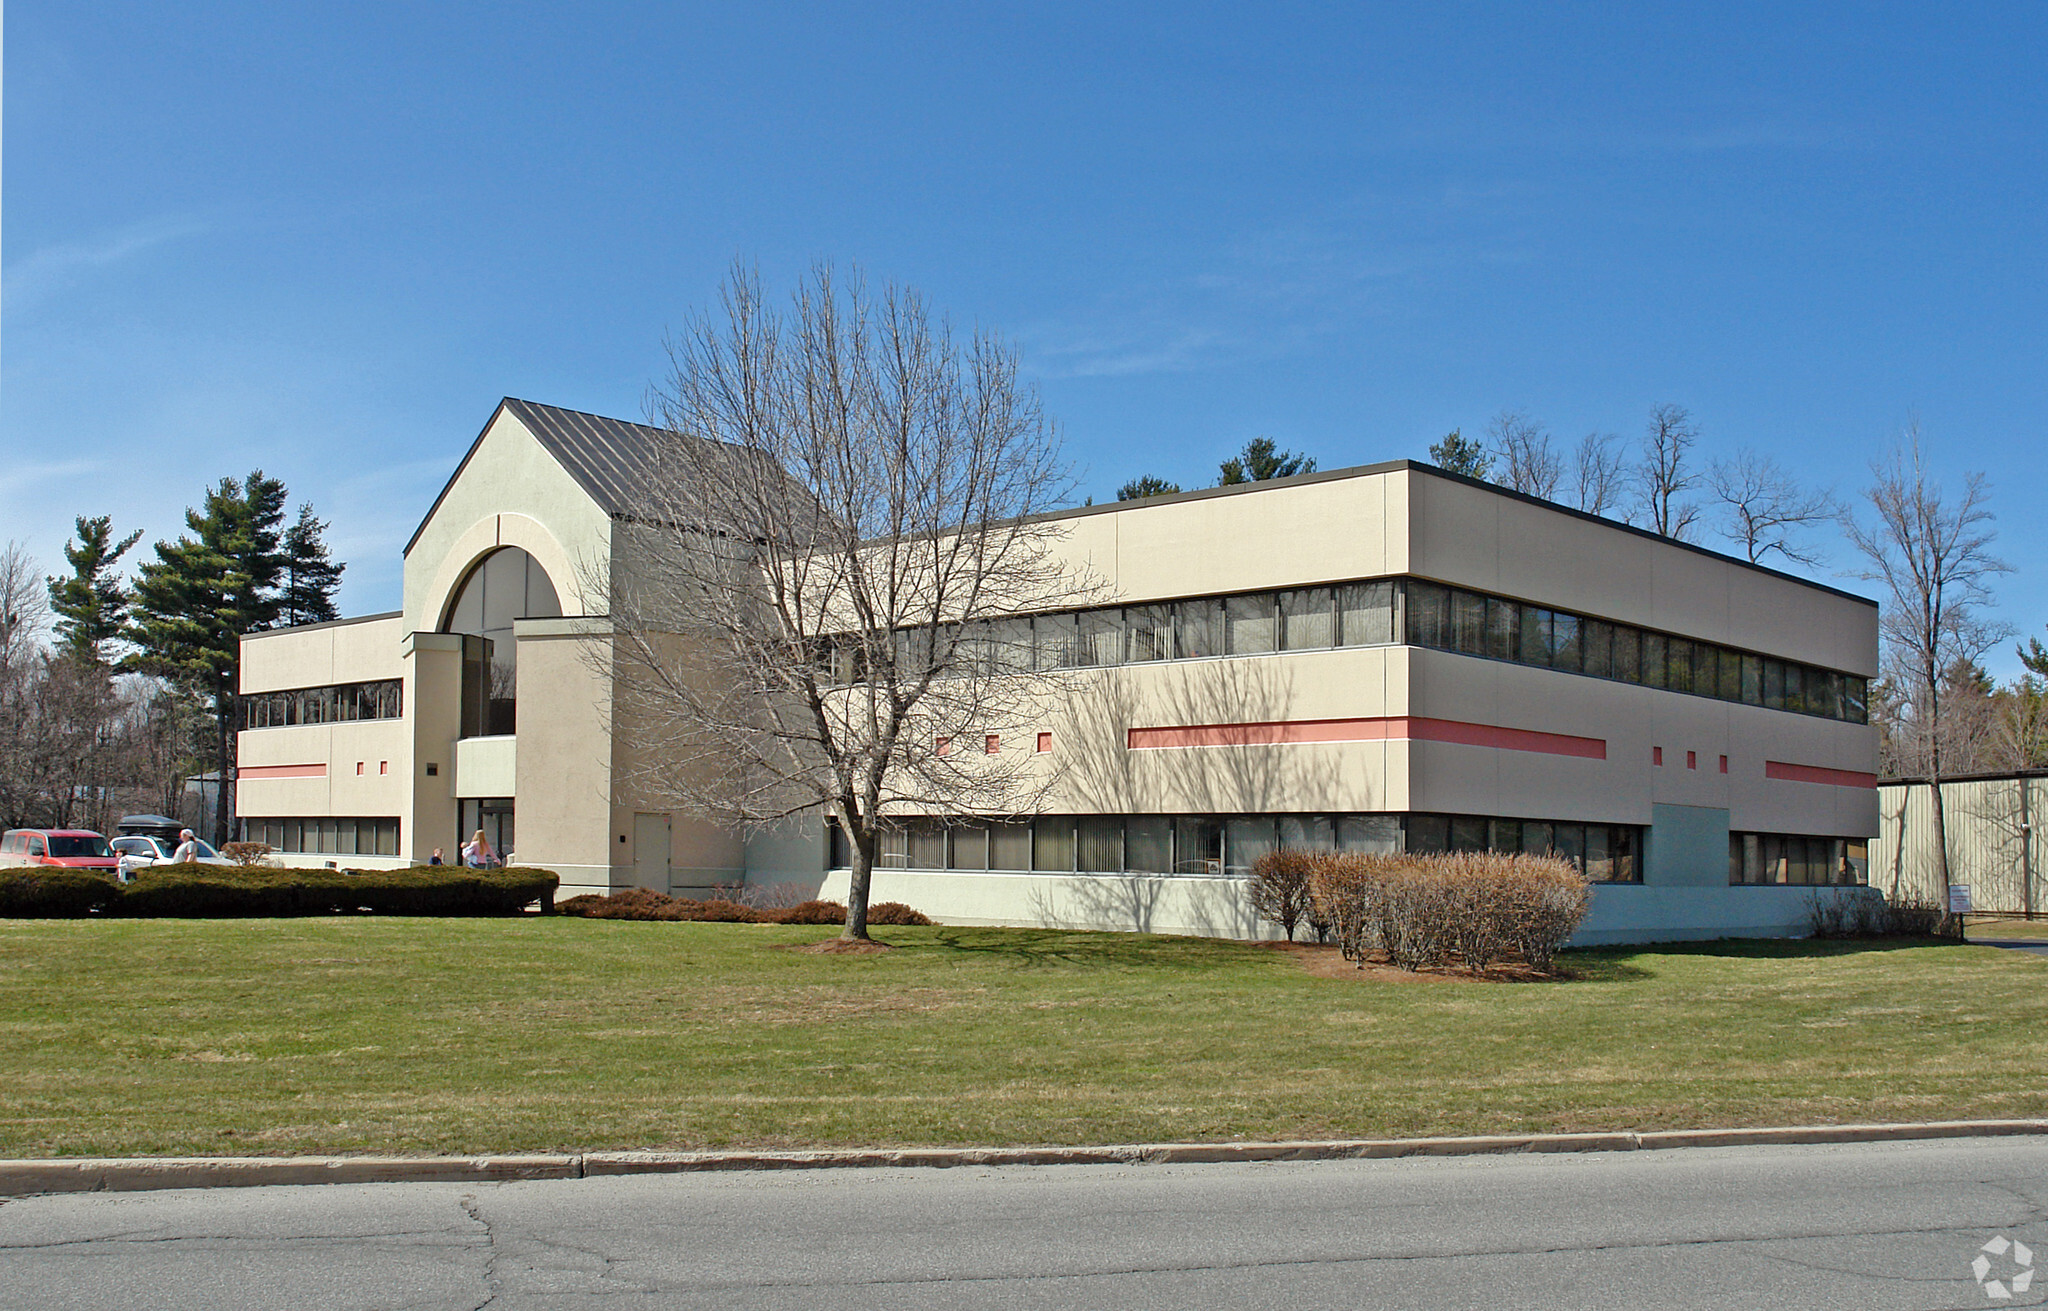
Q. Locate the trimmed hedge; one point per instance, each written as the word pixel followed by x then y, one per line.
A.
pixel 644 904
pixel 49 892
pixel 228 892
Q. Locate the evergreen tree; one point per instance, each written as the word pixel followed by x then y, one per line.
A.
pixel 91 605
pixel 195 600
pixel 310 575
pixel 1137 489
pixel 1259 461
pixel 1460 454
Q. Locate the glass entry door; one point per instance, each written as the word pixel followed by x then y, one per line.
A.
pixel 493 815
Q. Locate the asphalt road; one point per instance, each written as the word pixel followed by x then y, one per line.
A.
pixel 1867 1226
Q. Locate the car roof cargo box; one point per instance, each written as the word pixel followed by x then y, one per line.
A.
pixel 149 826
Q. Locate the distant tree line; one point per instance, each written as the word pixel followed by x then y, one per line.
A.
pixel 116 690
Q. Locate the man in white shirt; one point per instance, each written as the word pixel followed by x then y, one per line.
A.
pixel 188 849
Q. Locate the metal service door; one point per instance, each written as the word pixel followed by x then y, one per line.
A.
pixel 650 851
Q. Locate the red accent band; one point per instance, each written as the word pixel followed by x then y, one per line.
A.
pixel 281 771
pixel 1841 778
pixel 1382 729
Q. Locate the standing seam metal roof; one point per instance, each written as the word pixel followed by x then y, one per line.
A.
pixel 608 458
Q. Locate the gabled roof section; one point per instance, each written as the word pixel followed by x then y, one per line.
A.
pixel 608 458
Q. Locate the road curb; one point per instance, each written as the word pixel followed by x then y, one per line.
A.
pixel 143 1173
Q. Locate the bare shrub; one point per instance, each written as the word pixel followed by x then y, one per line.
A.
pixel 1279 889
pixel 1425 910
pixel 247 853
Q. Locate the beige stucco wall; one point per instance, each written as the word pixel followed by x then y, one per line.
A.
pixel 511 492
pixel 1489 542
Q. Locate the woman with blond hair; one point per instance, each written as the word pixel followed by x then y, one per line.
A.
pixel 477 853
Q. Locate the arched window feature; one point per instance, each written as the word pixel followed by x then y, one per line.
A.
pixel 505 585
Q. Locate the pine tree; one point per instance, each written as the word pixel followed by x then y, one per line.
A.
pixel 1137 489
pixel 1259 461
pixel 91 605
pixel 195 600
pixel 310 575
pixel 1460 454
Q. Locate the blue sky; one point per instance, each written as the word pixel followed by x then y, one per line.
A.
pixel 324 240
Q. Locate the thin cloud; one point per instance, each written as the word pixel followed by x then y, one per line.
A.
pixel 38 276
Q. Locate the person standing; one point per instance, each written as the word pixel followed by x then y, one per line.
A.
pixel 188 848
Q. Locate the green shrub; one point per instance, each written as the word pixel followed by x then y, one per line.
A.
pixel 216 891
pixel 47 892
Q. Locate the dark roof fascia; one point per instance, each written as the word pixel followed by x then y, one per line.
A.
pixel 1995 776
pixel 324 623
pixel 1417 466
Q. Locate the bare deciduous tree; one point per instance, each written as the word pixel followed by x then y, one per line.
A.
pixel 814 608
pixel 1764 509
pixel 1666 473
pixel 1598 473
pixel 1933 557
pixel 1527 463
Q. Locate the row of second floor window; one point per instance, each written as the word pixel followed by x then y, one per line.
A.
pixel 1774 858
pixel 1381 612
pixel 325 835
pixel 342 703
pixel 1229 845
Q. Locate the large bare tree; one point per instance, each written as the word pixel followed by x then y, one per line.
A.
pixel 1527 463
pixel 1932 555
pixel 815 610
pixel 1666 473
pixel 1598 473
pixel 1765 509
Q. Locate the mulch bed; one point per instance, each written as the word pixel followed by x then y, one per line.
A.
pixel 1329 963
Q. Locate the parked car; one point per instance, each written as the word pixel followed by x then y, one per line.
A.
pixel 136 851
pixel 67 848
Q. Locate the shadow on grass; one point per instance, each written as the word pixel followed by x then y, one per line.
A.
pixel 1628 961
pixel 1045 948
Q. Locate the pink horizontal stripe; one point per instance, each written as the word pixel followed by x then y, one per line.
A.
pixel 282 771
pixel 1841 778
pixel 1377 729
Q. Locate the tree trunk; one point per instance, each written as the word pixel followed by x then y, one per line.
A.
pixel 861 868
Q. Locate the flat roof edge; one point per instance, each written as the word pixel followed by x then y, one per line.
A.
pixel 1418 466
pixel 325 623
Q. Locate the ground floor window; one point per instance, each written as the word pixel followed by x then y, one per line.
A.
pixel 325 835
pixel 491 815
pixel 1230 844
pixel 1788 858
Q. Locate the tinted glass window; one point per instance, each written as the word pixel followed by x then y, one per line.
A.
pixel 71 847
pixel 1628 654
pixel 1596 642
pixel 1503 629
pixel 1564 643
pixel 1252 624
pixel 1366 613
pixel 1678 664
pixel 1653 660
pixel 1198 629
pixel 1468 622
pixel 1308 619
pixel 1429 615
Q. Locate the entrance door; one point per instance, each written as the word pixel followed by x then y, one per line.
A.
pixel 650 852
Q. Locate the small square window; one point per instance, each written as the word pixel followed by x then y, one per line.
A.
pixel 1656 755
pixel 432 769
pixel 992 744
pixel 383 767
pixel 944 746
pixel 1724 764
pixel 359 767
pixel 1044 743
pixel 1692 760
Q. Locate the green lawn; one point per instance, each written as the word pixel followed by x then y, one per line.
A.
pixel 405 1035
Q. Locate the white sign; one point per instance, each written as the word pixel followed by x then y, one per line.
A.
pixel 1958 898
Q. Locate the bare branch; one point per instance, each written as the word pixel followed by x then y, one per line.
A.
pixel 1933 557
pixel 1764 509
pixel 1527 463
pixel 1598 473
pixel 814 606
pixel 1666 473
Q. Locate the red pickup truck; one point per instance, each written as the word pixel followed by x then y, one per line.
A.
pixel 68 848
